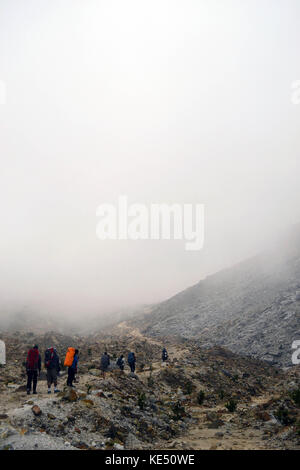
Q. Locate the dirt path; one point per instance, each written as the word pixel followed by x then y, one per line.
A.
pixel 136 334
pixel 200 436
pixel 174 350
pixel 12 398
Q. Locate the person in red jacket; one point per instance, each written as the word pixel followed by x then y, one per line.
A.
pixel 33 368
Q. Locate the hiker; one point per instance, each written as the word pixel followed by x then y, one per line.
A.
pixel 121 362
pixel 53 368
pixel 164 355
pixel 131 361
pixel 72 370
pixel 33 368
pixel 105 361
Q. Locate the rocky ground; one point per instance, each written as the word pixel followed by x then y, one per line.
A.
pixel 200 399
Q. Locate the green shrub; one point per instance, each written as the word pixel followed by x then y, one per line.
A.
pixel 141 400
pixel 295 396
pixel 221 394
pixel 178 410
pixel 150 381
pixel 283 417
pixel 231 405
pixel 200 397
pixel 188 388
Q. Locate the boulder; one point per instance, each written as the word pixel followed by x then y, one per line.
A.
pixel 132 443
pixel 36 410
pixel 69 394
pixel 95 372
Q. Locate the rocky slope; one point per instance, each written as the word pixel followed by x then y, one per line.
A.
pixel 252 308
pixel 200 399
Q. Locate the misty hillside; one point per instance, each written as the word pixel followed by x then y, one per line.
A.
pixel 28 321
pixel 252 308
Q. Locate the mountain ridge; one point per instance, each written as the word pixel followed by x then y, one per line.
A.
pixel 252 308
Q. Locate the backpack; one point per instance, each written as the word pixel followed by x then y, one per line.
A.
pixel 49 356
pixel 131 357
pixel 69 357
pixel 120 361
pixel 105 360
pixel 32 359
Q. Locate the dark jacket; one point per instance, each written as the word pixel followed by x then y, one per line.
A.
pixel 105 361
pixel 131 358
pixel 121 362
pixel 75 362
pixel 164 354
pixel 52 359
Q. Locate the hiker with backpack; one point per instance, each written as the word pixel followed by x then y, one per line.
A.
pixel 164 355
pixel 131 361
pixel 121 362
pixel 33 368
pixel 71 362
pixel 53 368
pixel 105 361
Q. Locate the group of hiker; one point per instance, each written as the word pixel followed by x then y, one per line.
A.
pixel 52 365
pixel 131 359
pixel 105 362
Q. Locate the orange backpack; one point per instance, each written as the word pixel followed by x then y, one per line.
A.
pixel 69 357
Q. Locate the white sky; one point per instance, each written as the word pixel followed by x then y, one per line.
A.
pixel 164 101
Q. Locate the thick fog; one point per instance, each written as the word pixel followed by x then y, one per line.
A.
pixel 163 102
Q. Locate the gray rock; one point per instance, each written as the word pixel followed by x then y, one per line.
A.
pixel 132 443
